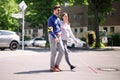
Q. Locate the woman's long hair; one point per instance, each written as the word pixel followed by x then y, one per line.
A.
pixel 63 15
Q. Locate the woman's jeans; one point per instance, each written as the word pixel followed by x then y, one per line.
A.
pixel 66 52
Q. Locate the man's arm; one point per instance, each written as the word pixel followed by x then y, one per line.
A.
pixel 50 28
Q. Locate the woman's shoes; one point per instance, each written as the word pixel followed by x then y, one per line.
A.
pixel 72 67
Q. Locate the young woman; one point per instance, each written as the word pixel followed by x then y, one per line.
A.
pixel 66 34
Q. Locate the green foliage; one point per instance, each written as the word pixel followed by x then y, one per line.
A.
pixel 47 45
pixel 7 7
pixel 27 38
pixel 38 11
pixel 101 45
pixel 80 2
pixel 83 39
pixel 114 39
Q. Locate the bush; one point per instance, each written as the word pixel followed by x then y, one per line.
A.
pixel 83 39
pixel 114 40
pixel 47 45
pixel 27 38
pixel 101 45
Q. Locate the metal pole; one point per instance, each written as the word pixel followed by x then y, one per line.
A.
pixel 23 29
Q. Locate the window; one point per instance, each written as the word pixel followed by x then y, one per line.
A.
pixel 29 31
pixel 0 33
pixel 81 15
pixel 75 30
pixel 25 31
pixel 112 29
pixel 6 33
pixel 78 16
pixel 81 29
pixel 112 13
pixel 75 17
pixel 35 31
pixel 105 28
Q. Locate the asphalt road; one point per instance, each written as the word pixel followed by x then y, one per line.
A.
pixel 33 64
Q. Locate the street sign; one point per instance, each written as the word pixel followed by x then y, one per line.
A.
pixel 17 15
pixel 23 5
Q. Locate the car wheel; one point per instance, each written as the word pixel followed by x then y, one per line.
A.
pixel 2 49
pixel 14 45
pixel 73 46
pixel 84 45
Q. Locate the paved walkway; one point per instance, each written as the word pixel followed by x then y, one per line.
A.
pixel 34 65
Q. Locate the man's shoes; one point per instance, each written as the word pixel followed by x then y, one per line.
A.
pixel 72 67
pixel 57 67
pixel 54 69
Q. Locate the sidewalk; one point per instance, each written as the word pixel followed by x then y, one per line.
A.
pixel 34 65
pixel 107 48
pixel 114 47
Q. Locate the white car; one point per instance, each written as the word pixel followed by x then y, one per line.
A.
pixel 80 43
pixel 27 43
pixel 39 42
pixel 9 39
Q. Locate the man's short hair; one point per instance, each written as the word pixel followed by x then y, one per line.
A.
pixel 56 6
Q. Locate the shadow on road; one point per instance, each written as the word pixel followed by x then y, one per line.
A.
pixel 34 72
pixel 36 49
pixel 41 71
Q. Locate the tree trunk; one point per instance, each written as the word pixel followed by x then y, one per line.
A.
pixel 97 45
pixel 45 33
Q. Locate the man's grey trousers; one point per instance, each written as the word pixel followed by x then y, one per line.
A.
pixel 54 46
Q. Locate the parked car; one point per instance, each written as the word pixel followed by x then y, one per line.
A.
pixel 71 43
pixel 27 43
pixel 9 39
pixel 39 42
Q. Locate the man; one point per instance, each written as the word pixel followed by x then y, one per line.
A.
pixel 55 40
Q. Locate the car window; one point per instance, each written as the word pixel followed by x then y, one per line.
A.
pixel 39 39
pixel 0 33
pixel 5 33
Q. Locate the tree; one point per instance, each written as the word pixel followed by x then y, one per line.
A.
pixel 7 7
